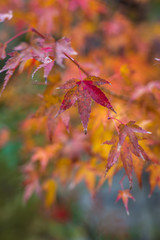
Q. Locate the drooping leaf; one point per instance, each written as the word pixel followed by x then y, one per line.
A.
pixel 113 154
pixel 47 65
pixel 10 66
pixel 124 145
pixel 124 195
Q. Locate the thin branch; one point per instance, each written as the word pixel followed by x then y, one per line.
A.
pixel 115 119
pixel 122 97
pixel 38 33
pixel 76 63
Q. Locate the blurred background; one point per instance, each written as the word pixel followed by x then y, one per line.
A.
pixel 76 215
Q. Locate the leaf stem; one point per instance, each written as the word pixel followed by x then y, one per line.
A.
pixel 76 63
pixel 38 33
pixel 115 119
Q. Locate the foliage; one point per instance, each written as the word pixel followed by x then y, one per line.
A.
pixel 112 51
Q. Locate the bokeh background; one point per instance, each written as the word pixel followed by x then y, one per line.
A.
pixel 75 215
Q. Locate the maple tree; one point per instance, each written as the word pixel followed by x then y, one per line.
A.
pixel 121 129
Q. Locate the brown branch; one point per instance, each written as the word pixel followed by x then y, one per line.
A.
pixel 38 33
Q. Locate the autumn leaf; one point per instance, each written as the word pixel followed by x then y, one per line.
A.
pixel 124 145
pixel 63 46
pixel 83 91
pixel 47 64
pixel 125 195
pixel 10 66
pixel 42 50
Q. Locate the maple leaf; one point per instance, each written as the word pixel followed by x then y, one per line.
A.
pixel 10 66
pixel 63 46
pixel 47 64
pixel 45 53
pixel 41 50
pixel 124 145
pixel 83 91
pixel 124 195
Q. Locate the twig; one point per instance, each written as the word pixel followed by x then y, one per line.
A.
pixel 38 33
pixel 76 63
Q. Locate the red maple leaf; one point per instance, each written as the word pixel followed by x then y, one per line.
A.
pixel 83 91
